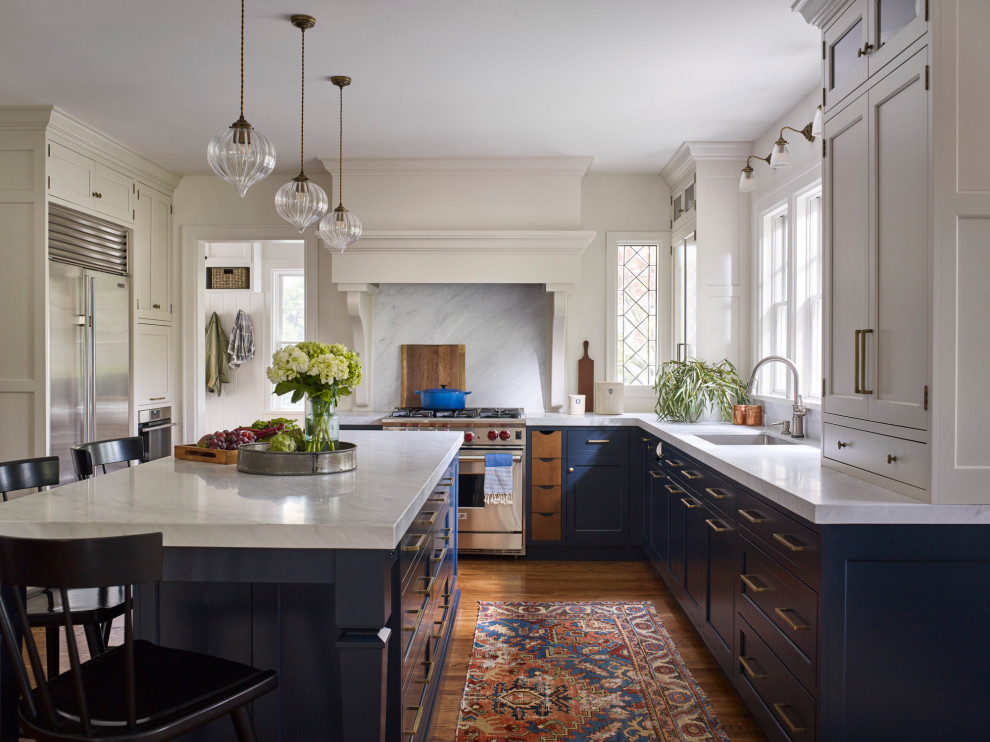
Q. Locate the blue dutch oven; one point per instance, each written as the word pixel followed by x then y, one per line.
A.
pixel 442 398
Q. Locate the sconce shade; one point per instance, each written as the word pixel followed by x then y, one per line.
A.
pixel 747 181
pixel 339 229
pixel 301 202
pixel 780 156
pixel 817 124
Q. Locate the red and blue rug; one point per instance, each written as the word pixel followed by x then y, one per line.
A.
pixel 582 672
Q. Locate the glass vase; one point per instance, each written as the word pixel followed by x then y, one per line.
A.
pixel 322 429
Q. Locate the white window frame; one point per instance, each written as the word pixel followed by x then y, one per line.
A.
pixel 273 273
pixel 644 392
pixel 793 199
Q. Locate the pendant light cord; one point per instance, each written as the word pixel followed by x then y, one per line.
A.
pixel 302 104
pixel 242 59
pixel 340 155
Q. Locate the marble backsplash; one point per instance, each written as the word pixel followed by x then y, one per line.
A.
pixel 502 326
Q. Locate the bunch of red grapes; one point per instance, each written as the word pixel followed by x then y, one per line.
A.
pixel 229 440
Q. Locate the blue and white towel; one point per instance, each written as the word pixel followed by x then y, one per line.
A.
pixel 241 345
pixel 498 479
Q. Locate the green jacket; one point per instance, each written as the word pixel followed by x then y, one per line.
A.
pixel 217 371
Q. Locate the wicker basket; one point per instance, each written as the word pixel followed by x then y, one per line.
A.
pixel 228 278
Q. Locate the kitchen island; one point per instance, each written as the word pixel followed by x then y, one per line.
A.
pixel 312 576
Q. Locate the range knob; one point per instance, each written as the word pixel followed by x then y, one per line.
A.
pixel 468 437
pixel 504 435
pixel 492 435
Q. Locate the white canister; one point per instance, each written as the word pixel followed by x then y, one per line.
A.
pixel 608 397
pixel 575 404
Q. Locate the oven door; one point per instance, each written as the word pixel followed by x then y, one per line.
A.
pixel 472 513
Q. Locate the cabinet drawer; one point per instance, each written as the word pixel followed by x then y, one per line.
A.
pixel 546 444
pixel 782 609
pixel 601 441
pixel 896 458
pixel 791 707
pixel 545 526
pixel 782 535
pixel 544 472
pixel 545 499
pixel 709 487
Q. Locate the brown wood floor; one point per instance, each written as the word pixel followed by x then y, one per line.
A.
pixel 511 579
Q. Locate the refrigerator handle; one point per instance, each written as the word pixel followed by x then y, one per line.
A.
pixel 90 285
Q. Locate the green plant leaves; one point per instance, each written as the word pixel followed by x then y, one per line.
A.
pixel 685 389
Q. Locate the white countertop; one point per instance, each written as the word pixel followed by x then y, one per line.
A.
pixel 200 504
pixel 789 475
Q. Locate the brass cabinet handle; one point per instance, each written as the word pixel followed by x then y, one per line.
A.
pixel 443 499
pixel 415 725
pixel 857 389
pixel 865 50
pixel 156 306
pixel 891 458
pixel 690 504
pixel 748 668
pixel 441 556
pixel 417 611
pixel 673 489
pixel 597 441
pixel 789 542
pixel 862 361
pixel 714 492
pixel 439 633
pixel 688 474
pixel 718 529
pixel 675 464
pixel 447 480
pixel 429 672
pixel 419 543
pixel 571 470
pixel 782 612
pixel 657 475
pixel 645 440
pixel 155 399
pixel 841 445
pixel 748 582
pixel 428 588
pixel 794 728
pixel 429 521
pixel 752 516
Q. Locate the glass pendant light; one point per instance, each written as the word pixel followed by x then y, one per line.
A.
pixel 299 201
pixel 241 155
pixel 340 228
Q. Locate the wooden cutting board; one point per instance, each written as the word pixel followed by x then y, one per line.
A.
pixel 430 367
pixel 586 380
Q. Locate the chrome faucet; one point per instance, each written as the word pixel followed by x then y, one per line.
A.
pixel 798 411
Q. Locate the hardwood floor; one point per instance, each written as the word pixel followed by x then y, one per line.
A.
pixel 511 579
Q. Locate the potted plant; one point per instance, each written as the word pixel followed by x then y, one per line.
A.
pixel 685 389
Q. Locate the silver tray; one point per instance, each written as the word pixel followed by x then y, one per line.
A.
pixel 255 458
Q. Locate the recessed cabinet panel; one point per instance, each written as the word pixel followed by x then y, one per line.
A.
pixel 114 191
pixel 153 364
pixel 84 182
pixel 152 255
pixel 597 494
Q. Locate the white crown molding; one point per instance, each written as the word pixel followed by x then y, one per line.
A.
pixel 576 166
pixel 473 242
pixel 818 12
pixel 683 160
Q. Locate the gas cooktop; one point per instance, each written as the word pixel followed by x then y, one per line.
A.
pixel 470 413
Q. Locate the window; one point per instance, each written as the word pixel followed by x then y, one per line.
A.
pixel 638 280
pixel 790 292
pixel 288 322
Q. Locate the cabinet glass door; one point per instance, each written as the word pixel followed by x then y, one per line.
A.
pixel 685 297
pixel 895 25
pixel 847 53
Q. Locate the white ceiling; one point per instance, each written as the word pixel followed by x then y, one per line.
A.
pixel 624 81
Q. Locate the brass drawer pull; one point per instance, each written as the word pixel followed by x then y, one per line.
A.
pixel 429 672
pixel 446 480
pixel 675 464
pixel 782 612
pixel 415 725
pixel 428 588
pixel 657 475
pixel 421 537
pixel 716 493
pixel 748 582
pixel 789 542
pixel 441 499
pixel 429 521
pixel 690 504
pixel 673 489
pixel 752 516
pixel 441 557
pixel 748 668
pixel 791 726
pixel 891 458
pixel 717 528
pixel 598 441
pixel 439 634
pixel 840 445
pixel 688 474
pixel 862 362
pixel 417 612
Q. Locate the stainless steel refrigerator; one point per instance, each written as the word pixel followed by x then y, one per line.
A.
pixel 89 358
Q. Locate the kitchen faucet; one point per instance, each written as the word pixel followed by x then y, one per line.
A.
pixel 798 410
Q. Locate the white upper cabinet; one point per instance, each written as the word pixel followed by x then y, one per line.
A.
pixel 82 181
pixel 864 38
pixel 682 203
pixel 153 365
pixel 152 251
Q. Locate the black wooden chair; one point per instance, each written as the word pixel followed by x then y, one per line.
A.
pixel 135 691
pixel 94 609
pixel 87 456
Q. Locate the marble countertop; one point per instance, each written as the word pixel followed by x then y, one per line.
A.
pixel 789 475
pixel 200 504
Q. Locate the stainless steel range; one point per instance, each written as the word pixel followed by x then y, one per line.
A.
pixel 482 529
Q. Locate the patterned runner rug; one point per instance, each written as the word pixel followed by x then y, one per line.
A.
pixel 582 672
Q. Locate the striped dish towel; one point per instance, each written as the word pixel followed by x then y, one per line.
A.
pixel 241 345
pixel 498 479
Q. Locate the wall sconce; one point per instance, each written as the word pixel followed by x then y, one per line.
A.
pixel 780 156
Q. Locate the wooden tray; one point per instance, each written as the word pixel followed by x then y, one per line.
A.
pixel 209 455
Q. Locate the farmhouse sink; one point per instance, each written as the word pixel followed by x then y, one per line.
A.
pixel 761 439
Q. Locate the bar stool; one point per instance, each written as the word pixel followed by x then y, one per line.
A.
pixel 87 456
pixel 136 691
pixel 94 610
